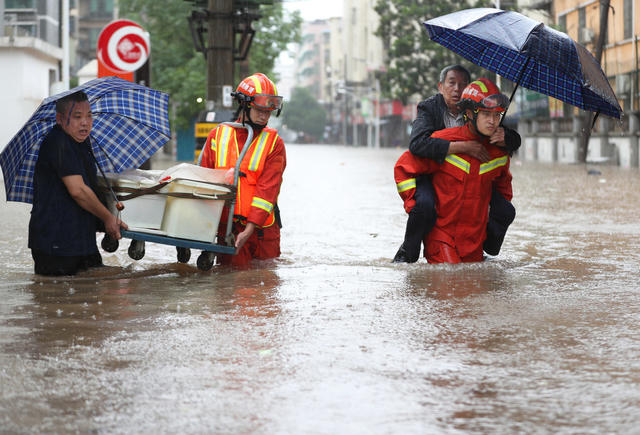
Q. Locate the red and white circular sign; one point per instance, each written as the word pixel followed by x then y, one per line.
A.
pixel 123 46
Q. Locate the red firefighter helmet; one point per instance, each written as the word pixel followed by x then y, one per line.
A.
pixel 483 94
pixel 257 90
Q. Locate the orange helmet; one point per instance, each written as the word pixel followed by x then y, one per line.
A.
pixel 257 90
pixel 482 94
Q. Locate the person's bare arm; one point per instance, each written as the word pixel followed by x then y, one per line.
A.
pixel 243 236
pixel 87 199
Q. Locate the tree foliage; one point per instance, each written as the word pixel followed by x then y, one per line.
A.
pixel 178 69
pixel 274 31
pixel 304 114
pixel 414 60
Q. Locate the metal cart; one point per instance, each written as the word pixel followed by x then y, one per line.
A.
pixel 183 246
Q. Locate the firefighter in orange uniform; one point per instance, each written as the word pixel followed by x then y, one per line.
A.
pixel 256 224
pixel 463 185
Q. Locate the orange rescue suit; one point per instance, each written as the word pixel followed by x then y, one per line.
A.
pixel 463 186
pixel 259 184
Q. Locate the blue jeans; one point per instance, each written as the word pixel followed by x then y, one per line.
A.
pixel 423 216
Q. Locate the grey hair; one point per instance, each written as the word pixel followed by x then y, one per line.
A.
pixel 459 68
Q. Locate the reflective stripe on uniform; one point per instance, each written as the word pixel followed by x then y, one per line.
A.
pixel 223 147
pixel 493 164
pixel 273 145
pixel 259 149
pixel 262 204
pixel 406 185
pixel 458 162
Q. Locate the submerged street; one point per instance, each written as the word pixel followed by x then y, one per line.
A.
pixel 332 337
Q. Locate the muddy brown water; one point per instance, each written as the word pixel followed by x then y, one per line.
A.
pixel 332 337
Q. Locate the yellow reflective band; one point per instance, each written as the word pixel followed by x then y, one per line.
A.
pixel 406 185
pixel 458 162
pixel 273 145
pixel 223 152
pixel 493 164
pixel 257 153
pixel 483 87
pixel 262 204
pixel 256 84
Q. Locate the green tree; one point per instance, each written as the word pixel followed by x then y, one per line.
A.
pixel 304 113
pixel 178 69
pixel 414 60
pixel 274 31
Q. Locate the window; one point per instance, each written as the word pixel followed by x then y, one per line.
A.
pixel 582 18
pixel 101 7
pixel 562 23
pixel 20 4
pixel 627 17
pixel 93 38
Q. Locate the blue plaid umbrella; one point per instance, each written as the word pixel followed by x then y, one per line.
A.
pixel 528 53
pixel 130 123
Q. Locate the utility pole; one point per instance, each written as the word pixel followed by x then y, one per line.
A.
pixel 583 146
pixel 219 51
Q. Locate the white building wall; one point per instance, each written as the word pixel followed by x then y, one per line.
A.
pixel 363 49
pixel 27 66
pixel 337 51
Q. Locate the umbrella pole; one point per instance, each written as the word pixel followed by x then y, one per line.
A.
pixel 119 205
pixel 510 99
pixel 524 68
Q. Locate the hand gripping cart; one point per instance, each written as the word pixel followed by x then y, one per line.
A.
pixel 183 246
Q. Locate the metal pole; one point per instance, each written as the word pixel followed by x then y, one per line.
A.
pixel 65 44
pixel 636 91
pixel 498 78
pixel 219 49
pixel 346 104
pixel 355 125
pixel 377 109
pixel 2 18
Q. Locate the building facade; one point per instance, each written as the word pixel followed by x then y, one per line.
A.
pixel 581 21
pixel 555 136
pixel 312 59
pixel 91 17
pixel 30 59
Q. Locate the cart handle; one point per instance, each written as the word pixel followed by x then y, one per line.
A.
pixel 205 196
pixel 236 173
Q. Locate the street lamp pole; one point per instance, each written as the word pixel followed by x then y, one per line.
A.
pixel 376 108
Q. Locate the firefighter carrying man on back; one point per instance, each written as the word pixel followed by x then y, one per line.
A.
pixel 256 222
pixel 463 184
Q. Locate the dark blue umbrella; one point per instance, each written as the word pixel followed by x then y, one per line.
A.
pixel 529 54
pixel 130 123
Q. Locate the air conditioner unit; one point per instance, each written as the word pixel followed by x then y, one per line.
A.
pixel 623 84
pixel 585 35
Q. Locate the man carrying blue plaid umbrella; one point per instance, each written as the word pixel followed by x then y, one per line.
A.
pixel 66 210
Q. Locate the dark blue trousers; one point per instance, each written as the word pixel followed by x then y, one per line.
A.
pixel 422 218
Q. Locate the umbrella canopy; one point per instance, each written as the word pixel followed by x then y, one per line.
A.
pixel 130 123
pixel 528 53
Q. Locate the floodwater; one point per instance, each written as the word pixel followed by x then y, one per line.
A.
pixel 334 338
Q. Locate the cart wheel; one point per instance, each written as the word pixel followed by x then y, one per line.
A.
pixel 184 254
pixel 136 249
pixel 205 260
pixel 109 244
